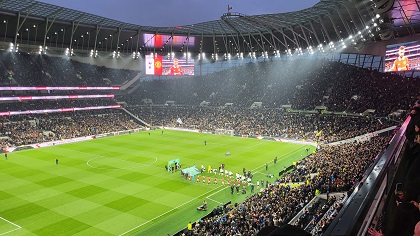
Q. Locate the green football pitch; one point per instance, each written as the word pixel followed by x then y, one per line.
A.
pixel 119 186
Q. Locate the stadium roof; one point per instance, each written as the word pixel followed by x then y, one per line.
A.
pixel 337 21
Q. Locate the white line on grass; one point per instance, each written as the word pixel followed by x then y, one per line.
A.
pixel 17 226
pixel 284 155
pixel 214 201
pixel 208 197
pixel 137 164
pixel 157 217
pixel 134 167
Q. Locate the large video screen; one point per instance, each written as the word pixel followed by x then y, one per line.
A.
pixel 159 65
pixel 402 57
pixel 159 40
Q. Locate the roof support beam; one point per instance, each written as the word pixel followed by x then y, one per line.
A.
pixel 19 25
pixel 98 29
pixel 118 38
pixel 351 17
pixel 359 14
pixel 314 32
pixel 344 23
pixel 268 30
pixel 325 30
pixel 335 27
pixel 304 35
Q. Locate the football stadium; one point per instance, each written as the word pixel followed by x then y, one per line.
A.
pixel 296 123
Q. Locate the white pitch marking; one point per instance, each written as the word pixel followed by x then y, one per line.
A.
pixel 138 226
pixel 18 227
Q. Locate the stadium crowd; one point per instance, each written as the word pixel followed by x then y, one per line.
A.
pixel 54 104
pixel 265 122
pixel 277 204
pixel 303 84
pixel 41 70
pixel 56 126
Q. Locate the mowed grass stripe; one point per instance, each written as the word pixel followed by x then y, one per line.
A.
pixel 72 197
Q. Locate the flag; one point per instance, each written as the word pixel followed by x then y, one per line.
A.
pixel 319 133
pixel 158 65
pixel 150 65
pixel 179 121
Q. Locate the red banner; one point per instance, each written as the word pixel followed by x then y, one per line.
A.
pixel 158 65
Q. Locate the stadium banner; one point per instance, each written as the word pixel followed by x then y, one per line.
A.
pixel 104 135
pixel 365 137
pixel 295 141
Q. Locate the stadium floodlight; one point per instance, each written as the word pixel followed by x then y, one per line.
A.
pixel 4 21
pixel 367 27
pixel 91 53
pixel 374 24
pixel 113 54
pixel 377 16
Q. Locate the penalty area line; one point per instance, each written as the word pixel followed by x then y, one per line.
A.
pixel 157 217
pixel 17 226
pixel 214 201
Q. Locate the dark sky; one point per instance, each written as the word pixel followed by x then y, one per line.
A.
pixel 178 12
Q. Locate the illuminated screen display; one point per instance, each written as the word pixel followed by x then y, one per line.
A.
pixel 159 40
pixel 402 57
pixel 159 65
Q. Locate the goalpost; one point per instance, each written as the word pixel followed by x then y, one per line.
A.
pixel 224 132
